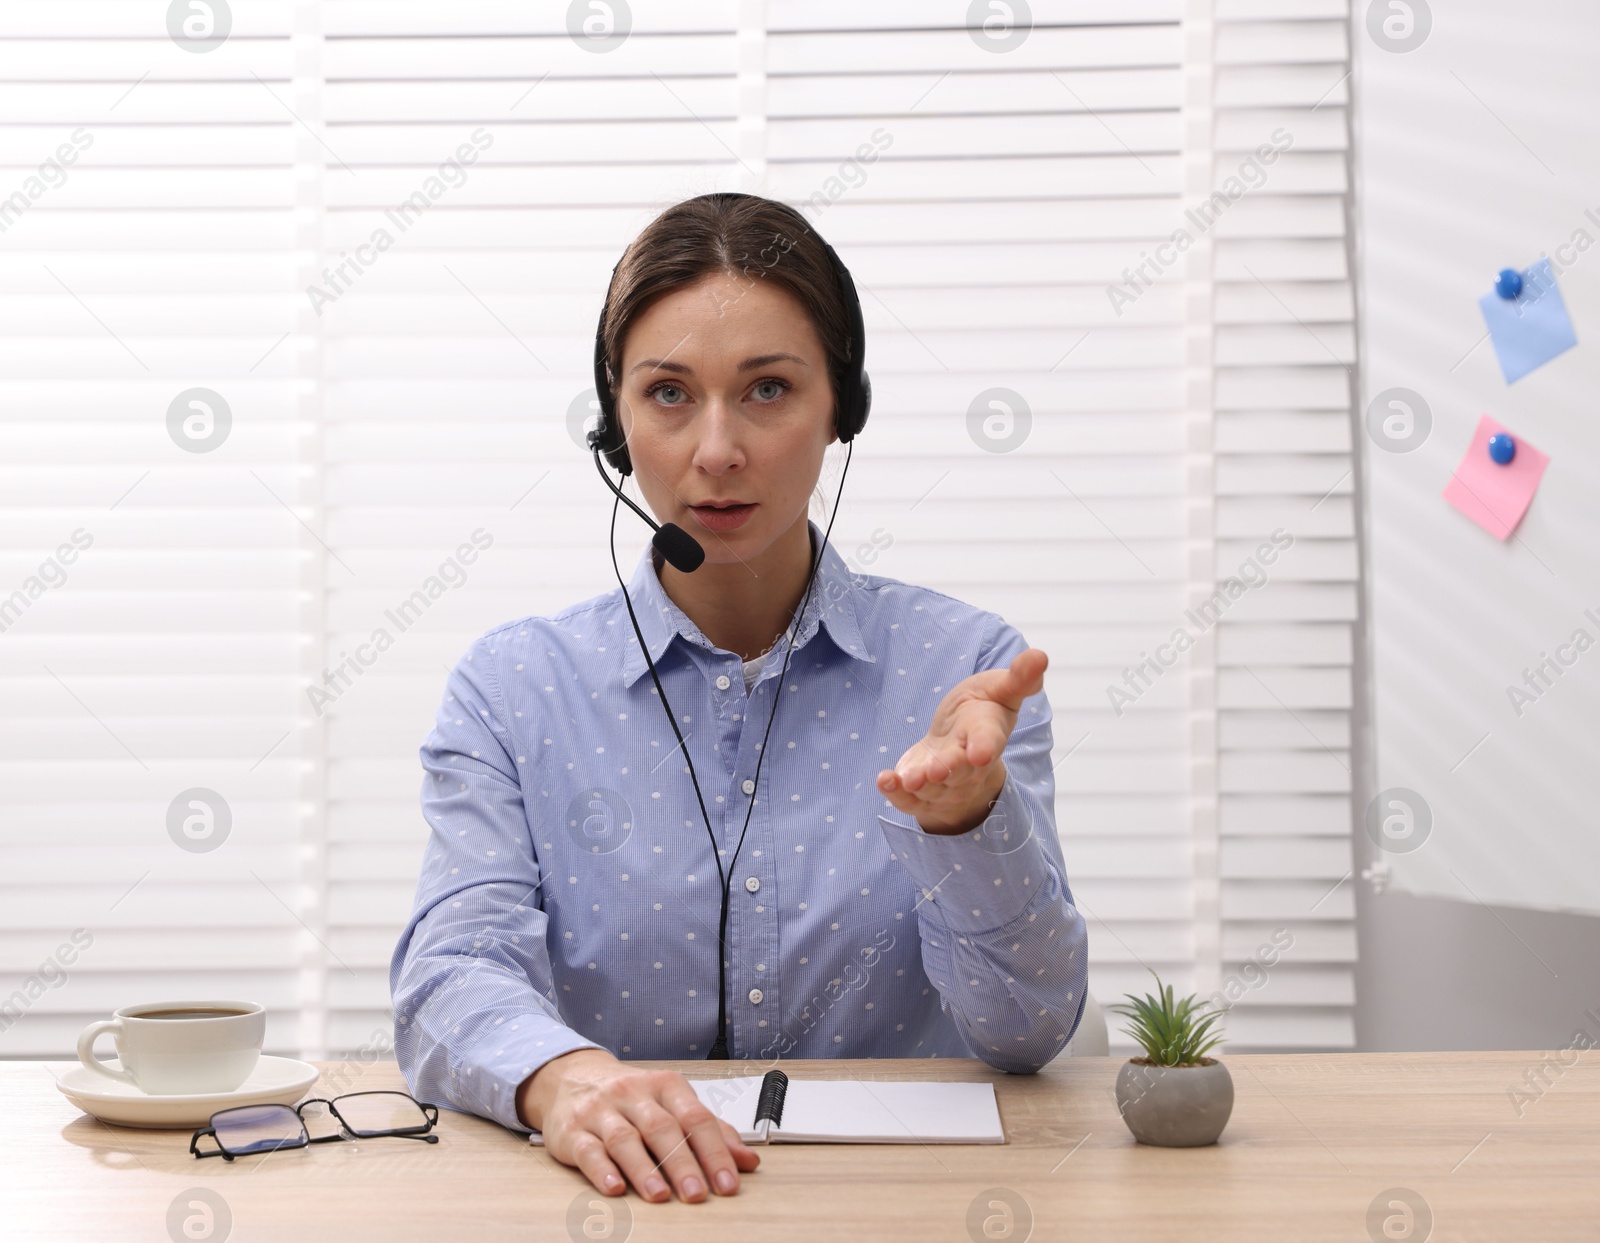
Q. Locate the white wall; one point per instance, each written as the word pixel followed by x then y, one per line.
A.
pixel 1476 151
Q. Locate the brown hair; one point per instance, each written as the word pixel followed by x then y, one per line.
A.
pixel 744 236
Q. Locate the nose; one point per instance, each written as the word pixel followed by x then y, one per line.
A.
pixel 717 449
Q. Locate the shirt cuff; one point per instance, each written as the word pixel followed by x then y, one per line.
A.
pixel 982 879
pixel 490 1071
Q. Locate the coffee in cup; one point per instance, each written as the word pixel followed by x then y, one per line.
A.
pixel 178 1048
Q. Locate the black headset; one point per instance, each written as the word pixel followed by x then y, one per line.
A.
pixel 853 401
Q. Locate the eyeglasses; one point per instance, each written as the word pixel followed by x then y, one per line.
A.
pixel 249 1129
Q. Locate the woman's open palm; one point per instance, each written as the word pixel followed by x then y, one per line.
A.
pixel 950 778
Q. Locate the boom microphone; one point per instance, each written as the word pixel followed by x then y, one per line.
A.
pixel 682 551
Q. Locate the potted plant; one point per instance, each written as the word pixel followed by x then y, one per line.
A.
pixel 1174 1095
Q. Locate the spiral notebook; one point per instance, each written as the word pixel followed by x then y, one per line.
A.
pixel 774 1109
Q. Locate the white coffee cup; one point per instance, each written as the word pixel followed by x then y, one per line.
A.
pixel 176 1048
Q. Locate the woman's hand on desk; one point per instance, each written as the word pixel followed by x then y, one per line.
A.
pixel 598 1113
pixel 951 778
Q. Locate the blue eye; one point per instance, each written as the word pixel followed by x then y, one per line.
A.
pixel 657 389
pixel 780 385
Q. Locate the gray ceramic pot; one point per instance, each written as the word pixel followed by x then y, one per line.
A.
pixel 1175 1106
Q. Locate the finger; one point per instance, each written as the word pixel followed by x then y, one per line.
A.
pixel 1025 677
pixel 666 1139
pixel 921 809
pixel 588 1153
pixel 956 760
pixel 932 799
pixel 625 1146
pixel 706 1138
pixel 930 778
pixel 915 781
pixel 889 783
pixel 1006 688
pixel 944 773
pixel 744 1156
pixel 985 739
pixel 900 800
pixel 927 762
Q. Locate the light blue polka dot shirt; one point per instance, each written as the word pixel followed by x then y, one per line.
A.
pixel 568 897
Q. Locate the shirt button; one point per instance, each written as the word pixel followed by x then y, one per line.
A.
pixel 749 787
pixel 755 996
pixel 752 883
pixel 722 682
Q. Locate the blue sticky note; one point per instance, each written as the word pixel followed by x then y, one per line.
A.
pixel 1532 328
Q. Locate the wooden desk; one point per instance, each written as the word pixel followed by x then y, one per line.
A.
pixel 1313 1140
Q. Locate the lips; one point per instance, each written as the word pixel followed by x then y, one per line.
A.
pixel 723 515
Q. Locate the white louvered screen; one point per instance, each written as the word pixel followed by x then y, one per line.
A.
pixel 430 399
pixel 169 658
pixel 1284 351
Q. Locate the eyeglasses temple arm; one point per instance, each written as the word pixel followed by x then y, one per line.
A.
pixel 194 1145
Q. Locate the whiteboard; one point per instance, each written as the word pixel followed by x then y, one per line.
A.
pixel 1475 151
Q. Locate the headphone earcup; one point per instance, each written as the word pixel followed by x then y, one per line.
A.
pixel 611 442
pixel 608 427
pixel 619 459
pixel 607 432
pixel 853 417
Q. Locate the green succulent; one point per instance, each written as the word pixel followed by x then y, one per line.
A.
pixel 1172 1033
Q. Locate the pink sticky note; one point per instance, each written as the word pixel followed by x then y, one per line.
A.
pixel 1492 495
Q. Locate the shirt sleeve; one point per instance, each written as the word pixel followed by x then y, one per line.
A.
pixel 1001 938
pixel 471 979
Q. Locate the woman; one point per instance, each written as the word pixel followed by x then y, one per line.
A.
pixel 571 906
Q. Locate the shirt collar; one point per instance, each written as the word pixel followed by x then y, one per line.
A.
pixel 831 604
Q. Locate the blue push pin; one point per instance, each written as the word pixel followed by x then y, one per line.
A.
pixel 1502 448
pixel 1508 285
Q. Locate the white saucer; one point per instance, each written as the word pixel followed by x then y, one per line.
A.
pixel 275 1080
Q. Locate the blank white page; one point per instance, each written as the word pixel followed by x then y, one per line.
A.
pixel 857 1111
pixel 734 1100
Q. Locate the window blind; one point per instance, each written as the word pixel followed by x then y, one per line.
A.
pixel 154 795
pixel 1283 353
pixel 382 231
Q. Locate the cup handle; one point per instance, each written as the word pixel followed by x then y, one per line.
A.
pixel 86 1055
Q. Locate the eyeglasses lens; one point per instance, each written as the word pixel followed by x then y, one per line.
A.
pixel 257 1128
pixel 371 1113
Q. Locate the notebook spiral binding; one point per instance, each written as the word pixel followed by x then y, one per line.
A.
pixel 769 1105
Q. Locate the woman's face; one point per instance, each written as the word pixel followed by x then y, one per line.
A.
pixel 725 397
